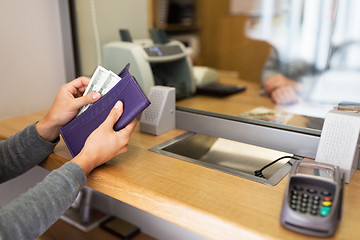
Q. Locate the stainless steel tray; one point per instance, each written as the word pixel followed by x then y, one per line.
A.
pixel 229 156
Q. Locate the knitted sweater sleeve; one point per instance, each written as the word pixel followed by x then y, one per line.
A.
pixel 33 212
pixel 22 152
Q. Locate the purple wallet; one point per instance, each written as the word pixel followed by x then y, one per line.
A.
pixel 126 90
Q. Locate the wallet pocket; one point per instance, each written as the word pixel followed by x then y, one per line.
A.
pixel 126 90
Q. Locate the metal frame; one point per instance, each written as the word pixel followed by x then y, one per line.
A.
pixel 299 141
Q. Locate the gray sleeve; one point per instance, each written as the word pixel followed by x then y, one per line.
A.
pixel 33 212
pixel 271 67
pixel 22 151
pixel 295 69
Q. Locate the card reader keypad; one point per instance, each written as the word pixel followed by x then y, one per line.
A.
pixel 307 200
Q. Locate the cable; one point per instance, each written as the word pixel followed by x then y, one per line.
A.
pixel 96 32
pixel 259 173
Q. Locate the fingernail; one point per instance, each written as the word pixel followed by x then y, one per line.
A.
pixel 118 104
pixel 96 95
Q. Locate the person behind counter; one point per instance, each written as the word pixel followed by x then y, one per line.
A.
pixel 33 212
pixel 281 82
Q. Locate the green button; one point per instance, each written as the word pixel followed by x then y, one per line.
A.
pixel 324 211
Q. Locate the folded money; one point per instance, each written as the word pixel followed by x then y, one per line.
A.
pixel 101 81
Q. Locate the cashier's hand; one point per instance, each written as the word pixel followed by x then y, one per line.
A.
pixel 282 90
pixel 285 95
pixel 105 143
pixel 66 105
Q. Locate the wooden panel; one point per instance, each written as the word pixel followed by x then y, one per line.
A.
pixel 151 13
pixel 209 13
pixel 224 44
pixel 239 52
pixel 62 230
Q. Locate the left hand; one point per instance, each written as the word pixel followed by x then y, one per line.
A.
pixel 66 105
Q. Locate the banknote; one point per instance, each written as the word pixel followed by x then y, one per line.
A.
pixel 101 81
pixel 97 79
pixel 111 80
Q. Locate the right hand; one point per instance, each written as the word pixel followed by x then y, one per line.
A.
pixel 285 95
pixel 282 89
pixel 105 143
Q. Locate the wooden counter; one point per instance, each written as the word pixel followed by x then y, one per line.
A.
pixel 212 203
pixel 237 103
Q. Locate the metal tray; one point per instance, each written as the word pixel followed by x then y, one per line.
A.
pixel 229 156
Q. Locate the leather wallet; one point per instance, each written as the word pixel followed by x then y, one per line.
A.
pixel 126 90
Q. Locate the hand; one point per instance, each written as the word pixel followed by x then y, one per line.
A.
pixel 282 89
pixel 285 95
pixel 105 143
pixel 66 105
pixel 276 81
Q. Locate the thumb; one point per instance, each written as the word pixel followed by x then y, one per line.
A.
pixel 87 99
pixel 114 114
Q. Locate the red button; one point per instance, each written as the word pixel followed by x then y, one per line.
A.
pixel 327 198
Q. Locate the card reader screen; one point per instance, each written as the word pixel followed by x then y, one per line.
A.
pixel 313 170
pixel 153 51
pixel 158 51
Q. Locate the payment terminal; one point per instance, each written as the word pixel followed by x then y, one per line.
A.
pixel 313 199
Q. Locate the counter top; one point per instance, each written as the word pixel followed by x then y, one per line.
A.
pixel 211 203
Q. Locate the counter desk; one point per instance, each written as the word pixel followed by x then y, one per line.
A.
pixel 211 203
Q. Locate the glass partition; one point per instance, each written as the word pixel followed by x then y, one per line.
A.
pixel 297 59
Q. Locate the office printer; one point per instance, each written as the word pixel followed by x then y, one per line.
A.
pixel 151 63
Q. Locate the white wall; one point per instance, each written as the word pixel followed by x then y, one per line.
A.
pixel 32 56
pixel 99 21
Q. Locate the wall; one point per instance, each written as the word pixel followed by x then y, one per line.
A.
pixel 99 21
pixel 32 59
